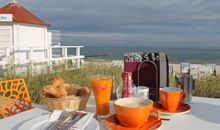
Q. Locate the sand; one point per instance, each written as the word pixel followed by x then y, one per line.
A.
pixel 176 67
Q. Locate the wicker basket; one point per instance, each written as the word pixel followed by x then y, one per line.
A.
pixel 70 102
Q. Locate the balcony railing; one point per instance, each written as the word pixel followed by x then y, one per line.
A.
pixel 25 55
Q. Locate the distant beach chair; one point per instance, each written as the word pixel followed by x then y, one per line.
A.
pixel 213 69
pixel 205 71
pixel 194 70
pixel 202 72
pixel 185 68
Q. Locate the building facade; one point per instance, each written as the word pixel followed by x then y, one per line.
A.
pixel 20 31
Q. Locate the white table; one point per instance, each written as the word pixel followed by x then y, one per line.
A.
pixel 204 115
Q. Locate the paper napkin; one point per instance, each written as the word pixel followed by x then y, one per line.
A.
pixel 53 117
pixel 83 123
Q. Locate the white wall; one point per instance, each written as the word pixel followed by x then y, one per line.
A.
pixel 27 35
pixel 48 39
pixel 31 36
pixel 5 38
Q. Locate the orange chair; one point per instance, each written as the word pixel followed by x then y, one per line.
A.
pixel 14 97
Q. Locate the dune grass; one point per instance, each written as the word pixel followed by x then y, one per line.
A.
pixel 80 76
pixel 208 87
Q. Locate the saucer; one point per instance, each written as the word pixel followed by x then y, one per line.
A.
pixel 112 123
pixel 183 108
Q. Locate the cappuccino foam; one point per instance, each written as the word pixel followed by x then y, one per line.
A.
pixel 133 102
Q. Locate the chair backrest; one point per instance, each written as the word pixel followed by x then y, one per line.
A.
pixel 14 97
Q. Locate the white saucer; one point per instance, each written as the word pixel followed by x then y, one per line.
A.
pixel 38 122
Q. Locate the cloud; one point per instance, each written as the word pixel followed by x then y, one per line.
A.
pixel 125 21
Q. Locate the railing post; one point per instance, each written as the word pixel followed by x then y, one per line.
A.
pixel 31 65
pixel 65 52
pixel 31 52
pixel 49 58
pixel 65 57
pixel 77 51
pixel 7 54
pixel 78 57
pixel 45 54
pixel 49 53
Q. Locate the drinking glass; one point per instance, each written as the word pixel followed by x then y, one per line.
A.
pixel 102 86
pixel 142 91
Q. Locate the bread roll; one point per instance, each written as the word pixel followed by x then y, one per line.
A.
pixel 54 91
pixel 58 81
pixel 50 89
pixel 61 91
pixel 72 89
pixel 83 91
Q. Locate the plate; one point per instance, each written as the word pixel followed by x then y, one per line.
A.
pixel 38 122
pixel 183 108
pixel 113 123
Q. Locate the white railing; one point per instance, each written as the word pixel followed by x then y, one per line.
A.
pixel 25 55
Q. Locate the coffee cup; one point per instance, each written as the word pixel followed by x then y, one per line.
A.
pixel 171 98
pixel 133 112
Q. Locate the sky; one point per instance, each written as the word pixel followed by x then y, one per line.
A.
pixel 159 23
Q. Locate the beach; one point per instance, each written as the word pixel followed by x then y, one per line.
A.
pixel 176 67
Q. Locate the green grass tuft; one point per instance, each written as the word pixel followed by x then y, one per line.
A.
pixel 208 87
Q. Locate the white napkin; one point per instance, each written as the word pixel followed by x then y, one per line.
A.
pixel 83 123
pixel 53 117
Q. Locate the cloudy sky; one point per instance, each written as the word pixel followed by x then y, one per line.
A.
pixel 181 23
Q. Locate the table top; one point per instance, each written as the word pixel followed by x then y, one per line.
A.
pixel 204 114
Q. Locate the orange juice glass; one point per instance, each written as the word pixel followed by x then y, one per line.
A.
pixel 102 86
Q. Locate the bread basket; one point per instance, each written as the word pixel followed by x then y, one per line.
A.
pixel 70 102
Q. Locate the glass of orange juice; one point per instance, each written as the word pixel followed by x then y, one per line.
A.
pixel 102 86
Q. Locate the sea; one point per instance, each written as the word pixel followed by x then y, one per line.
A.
pixel 175 55
pixel 195 55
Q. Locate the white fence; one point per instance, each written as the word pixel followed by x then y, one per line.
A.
pixel 25 55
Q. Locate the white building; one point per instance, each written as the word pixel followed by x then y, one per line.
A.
pixel 19 29
pixel 24 38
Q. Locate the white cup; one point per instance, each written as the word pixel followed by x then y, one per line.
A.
pixel 142 91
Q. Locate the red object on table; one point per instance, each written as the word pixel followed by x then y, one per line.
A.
pixel 127 84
